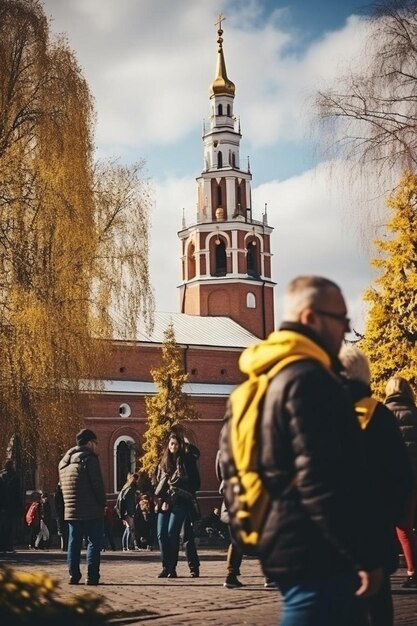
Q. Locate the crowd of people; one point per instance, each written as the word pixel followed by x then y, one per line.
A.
pixel 340 468
pixel 128 524
pixel 138 532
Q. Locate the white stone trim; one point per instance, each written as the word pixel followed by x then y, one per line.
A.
pixel 138 387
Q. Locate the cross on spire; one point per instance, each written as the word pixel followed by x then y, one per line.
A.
pixel 220 19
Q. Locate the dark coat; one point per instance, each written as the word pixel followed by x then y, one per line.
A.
pixel 46 513
pixel 224 513
pixel 406 413
pixel 128 498
pixel 59 505
pixel 179 485
pixel 11 494
pixel 59 510
pixel 185 476
pixel 390 473
pixel 82 489
pixel 191 456
pixel 312 462
pixel 145 522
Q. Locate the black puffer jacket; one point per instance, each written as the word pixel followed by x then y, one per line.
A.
pixel 82 484
pixel 389 470
pixel 128 495
pixel 191 456
pixel 12 499
pixel 320 522
pixel 405 411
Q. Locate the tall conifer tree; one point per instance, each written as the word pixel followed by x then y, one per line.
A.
pixel 391 330
pixel 170 407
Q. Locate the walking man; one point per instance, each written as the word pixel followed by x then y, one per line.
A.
pixel 317 542
pixel 84 501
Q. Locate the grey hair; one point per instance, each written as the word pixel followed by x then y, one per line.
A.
pixel 355 364
pixel 303 292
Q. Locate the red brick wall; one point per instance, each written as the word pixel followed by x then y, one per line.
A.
pixel 251 319
pixel 102 409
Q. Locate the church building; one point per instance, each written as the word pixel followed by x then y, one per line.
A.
pixel 226 303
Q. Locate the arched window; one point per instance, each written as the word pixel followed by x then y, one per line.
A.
pixel 234 160
pixel 239 196
pixel 191 261
pixel 220 109
pixel 228 110
pixel 124 460
pixel 219 159
pixel 220 259
pixel 252 259
pixel 251 300
pixel 219 195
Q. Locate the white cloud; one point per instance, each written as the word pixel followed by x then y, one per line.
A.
pixel 171 196
pixel 149 65
pixel 313 235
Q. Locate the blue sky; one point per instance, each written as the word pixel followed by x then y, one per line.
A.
pixel 149 64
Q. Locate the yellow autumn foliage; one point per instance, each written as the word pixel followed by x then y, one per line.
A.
pixel 391 329
pixel 170 407
pixel 32 599
pixel 73 238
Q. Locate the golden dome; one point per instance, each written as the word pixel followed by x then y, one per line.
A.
pixel 221 85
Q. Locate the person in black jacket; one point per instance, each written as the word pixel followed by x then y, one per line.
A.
pixel 389 471
pixel 318 541
pixel 61 524
pixel 191 456
pixel 400 400
pixel 10 505
pixel 127 499
pixel 234 555
pixel 145 522
pixel 173 493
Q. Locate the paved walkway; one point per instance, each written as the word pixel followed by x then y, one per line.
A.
pixel 130 585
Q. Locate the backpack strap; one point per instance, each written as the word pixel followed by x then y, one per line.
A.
pixel 364 409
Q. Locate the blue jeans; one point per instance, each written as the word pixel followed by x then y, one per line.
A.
pixel 168 526
pixel 321 602
pixel 189 545
pixel 128 537
pixel 92 529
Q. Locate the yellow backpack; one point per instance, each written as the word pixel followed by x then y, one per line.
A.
pixel 246 498
pixel 364 410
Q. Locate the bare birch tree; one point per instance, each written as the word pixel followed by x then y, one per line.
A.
pixel 371 114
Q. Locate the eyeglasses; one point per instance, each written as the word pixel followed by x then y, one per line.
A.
pixel 340 317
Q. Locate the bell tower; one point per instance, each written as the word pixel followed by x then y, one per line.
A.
pixel 225 253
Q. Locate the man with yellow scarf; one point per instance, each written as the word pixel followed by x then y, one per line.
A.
pixel 317 542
